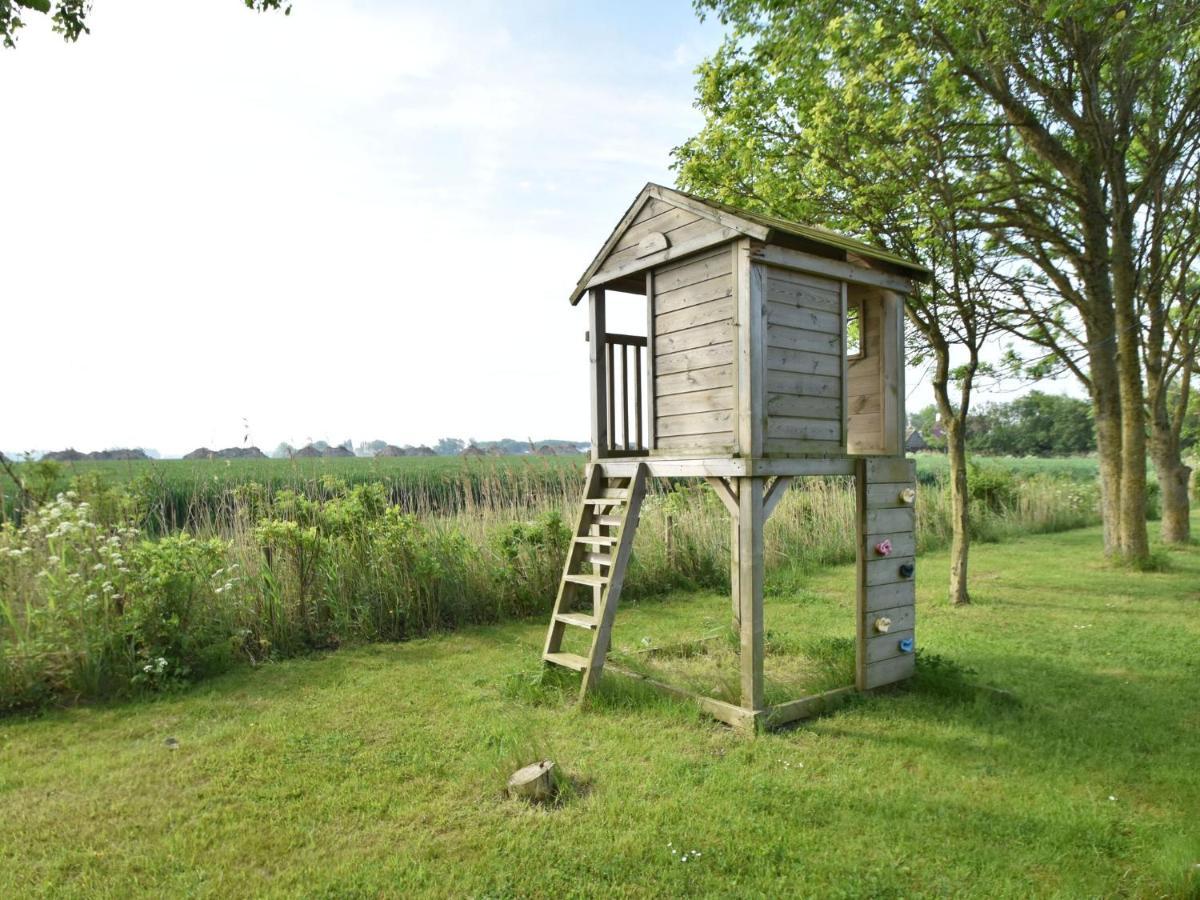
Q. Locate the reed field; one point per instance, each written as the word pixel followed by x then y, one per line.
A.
pixel 104 594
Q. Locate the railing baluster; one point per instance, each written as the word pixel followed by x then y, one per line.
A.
pixel 612 413
pixel 637 393
pixel 625 396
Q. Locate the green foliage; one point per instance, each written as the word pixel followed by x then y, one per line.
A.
pixel 1036 424
pixel 94 604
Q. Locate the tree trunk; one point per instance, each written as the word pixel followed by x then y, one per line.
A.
pixel 959 514
pixel 1134 541
pixel 1173 479
pixel 1107 413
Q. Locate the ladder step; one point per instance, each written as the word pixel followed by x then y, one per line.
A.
pixel 600 559
pixel 580 578
pixel 567 660
pixel 603 501
pixel 601 540
pixel 578 619
pixel 615 493
pixel 608 520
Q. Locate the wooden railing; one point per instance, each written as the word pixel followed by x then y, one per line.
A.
pixel 629 366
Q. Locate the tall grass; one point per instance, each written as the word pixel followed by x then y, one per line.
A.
pixel 94 602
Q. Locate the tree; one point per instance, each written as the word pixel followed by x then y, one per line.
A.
pixel 69 17
pixel 1036 424
pixel 1069 120
pixel 819 137
pixel 449 446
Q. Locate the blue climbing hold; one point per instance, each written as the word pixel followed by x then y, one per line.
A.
pixel 906 645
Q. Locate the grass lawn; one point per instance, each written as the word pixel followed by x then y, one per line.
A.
pixel 378 771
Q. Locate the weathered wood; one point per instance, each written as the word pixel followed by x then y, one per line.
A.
pixel 696 401
pixel 729 713
pixel 682 250
pixel 715 422
pixel 750 590
pixel 774 494
pixel 888 671
pixel 885 646
pixel 700 358
pixel 901 618
pixel 804 407
pixel 903 544
pixel 805 707
pixel 602 636
pixel 599 372
pixel 716 287
pixel 646 210
pixel 804 363
pixel 887 596
pixel 696 379
pixel 800 446
pixel 611 405
pixel 892 366
pixel 892 469
pixel 564 600
pixel 831 268
pixel 803 385
pixel 703 463
pixel 889 520
pixel 692 316
pixel 888 494
pixel 671 217
pixel 722 217
pixel 726 491
pixel 886 570
pixel 691 338
pixel 753 357
pixel 533 782
pixel 798 317
pixel 787 338
pixel 803 429
pixel 697 445
pixel 651 367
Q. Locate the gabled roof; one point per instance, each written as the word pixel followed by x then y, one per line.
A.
pixel 751 224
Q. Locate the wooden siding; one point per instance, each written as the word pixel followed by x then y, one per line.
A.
pixel 694 400
pixel 678 225
pixel 883 592
pixel 803 364
pixel 864 395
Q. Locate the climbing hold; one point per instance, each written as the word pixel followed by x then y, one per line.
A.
pixel 906 570
pixel 906 645
pixel 908 495
pixel 884 547
pixel 882 624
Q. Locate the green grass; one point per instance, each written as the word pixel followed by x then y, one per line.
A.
pixel 378 771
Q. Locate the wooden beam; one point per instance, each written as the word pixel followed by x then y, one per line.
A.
pixel 805 707
pixel 750 590
pixel 774 494
pixel 729 713
pixel 831 268
pixel 655 259
pixel 651 367
pixel 727 492
pixel 599 375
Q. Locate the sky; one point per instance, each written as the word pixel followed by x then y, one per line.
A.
pixel 361 221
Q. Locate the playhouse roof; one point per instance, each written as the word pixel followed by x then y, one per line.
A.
pixel 735 221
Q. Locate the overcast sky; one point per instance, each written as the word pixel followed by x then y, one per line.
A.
pixel 360 221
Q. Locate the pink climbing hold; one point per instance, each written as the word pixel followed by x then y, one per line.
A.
pixel 883 548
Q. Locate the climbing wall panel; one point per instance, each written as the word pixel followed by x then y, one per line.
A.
pixel 886 605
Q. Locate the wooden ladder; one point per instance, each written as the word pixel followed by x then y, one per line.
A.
pixel 602 542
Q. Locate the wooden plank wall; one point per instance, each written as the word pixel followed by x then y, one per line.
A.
pixel 694 398
pixel 677 225
pixel 804 364
pixel 883 592
pixel 864 432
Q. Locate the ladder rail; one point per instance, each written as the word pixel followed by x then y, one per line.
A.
pixel 593 484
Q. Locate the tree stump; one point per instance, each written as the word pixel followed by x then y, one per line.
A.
pixel 533 782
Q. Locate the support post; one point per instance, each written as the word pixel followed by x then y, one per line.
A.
pixel 599 372
pixel 749 589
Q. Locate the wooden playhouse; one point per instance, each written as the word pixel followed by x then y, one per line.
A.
pixel 772 351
